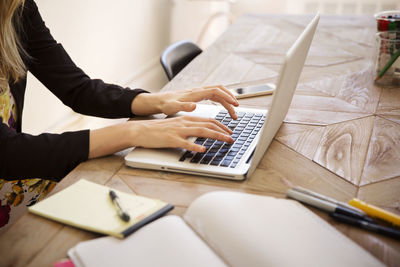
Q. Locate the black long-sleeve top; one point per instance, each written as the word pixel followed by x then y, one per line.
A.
pixel 52 156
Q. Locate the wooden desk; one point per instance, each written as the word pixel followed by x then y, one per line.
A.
pixel 340 138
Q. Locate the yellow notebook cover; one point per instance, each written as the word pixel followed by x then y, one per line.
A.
pixel 87 205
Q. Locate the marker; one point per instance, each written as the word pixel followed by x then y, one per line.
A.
pixel 325 205
pixel 376 212
pixel 121 213
pixel 394 233
pixel 334 201
pixel 387 66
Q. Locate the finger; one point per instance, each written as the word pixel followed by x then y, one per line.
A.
pixel 187 106
pixel 206 133
pixel 212 126
pixel 223 88
pixel 183 106
pixel 185 144
pixel 223 93
pixel 191 119
pixel 230 109
pixel 212 93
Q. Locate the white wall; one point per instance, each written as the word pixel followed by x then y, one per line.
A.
pixel 200 21
pixel 119 41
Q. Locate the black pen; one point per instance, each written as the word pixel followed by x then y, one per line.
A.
pixel 121 213
pixel 388 231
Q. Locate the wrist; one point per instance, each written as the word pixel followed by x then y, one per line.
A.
pixel 108 140
pixel 146 104
pixel 135 132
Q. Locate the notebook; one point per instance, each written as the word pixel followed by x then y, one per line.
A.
pixel 253 133
pixel 87 205
pixel 229 229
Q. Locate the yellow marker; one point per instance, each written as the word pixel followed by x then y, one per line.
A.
pixel 376 212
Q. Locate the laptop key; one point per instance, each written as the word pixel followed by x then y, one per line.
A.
pixel 208 143
pixel 215 162
pixel 229 157
pixel 213 150
pixel 232 153
pixel 197 158
pixel 206 159
pixel 186 155
pixel 198 142
pixel 225 163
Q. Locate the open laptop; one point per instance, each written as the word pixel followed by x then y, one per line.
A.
pixel 253 131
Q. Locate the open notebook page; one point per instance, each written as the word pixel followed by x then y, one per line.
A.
pixel 251 230
pixel 167 241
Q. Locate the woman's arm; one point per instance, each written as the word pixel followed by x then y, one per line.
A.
pixel 47 156
pixel 156 134
pixel 52 156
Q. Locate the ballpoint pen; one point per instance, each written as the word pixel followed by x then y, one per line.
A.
pixel 121 213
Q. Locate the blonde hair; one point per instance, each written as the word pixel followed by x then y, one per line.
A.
pixel 12 66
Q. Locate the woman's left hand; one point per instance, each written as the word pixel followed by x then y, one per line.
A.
pixel 172 102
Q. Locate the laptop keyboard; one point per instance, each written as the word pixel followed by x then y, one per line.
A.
pixel 219 153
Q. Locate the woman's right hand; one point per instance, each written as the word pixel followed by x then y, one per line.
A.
pixel 174 132
pixel 164 133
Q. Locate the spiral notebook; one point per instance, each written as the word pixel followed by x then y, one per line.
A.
pixel 87 205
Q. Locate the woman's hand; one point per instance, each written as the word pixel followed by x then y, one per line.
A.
pixel 164 133
pixel 174 132
pixel 172 102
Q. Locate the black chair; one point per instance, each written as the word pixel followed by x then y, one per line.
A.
pixel 176 56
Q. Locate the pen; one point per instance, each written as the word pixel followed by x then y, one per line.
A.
pixel 334 201
pixel 387 66
pixel 394 233
pixel 325 205
pixel 121 213
pixel 376 212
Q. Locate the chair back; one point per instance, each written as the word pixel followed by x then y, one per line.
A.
pixel 176 56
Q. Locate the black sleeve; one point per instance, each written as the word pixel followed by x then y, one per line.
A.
pixel 47 156
pixel 52 156
pixel 50 63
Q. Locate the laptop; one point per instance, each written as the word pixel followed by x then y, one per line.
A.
pixel 253 131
